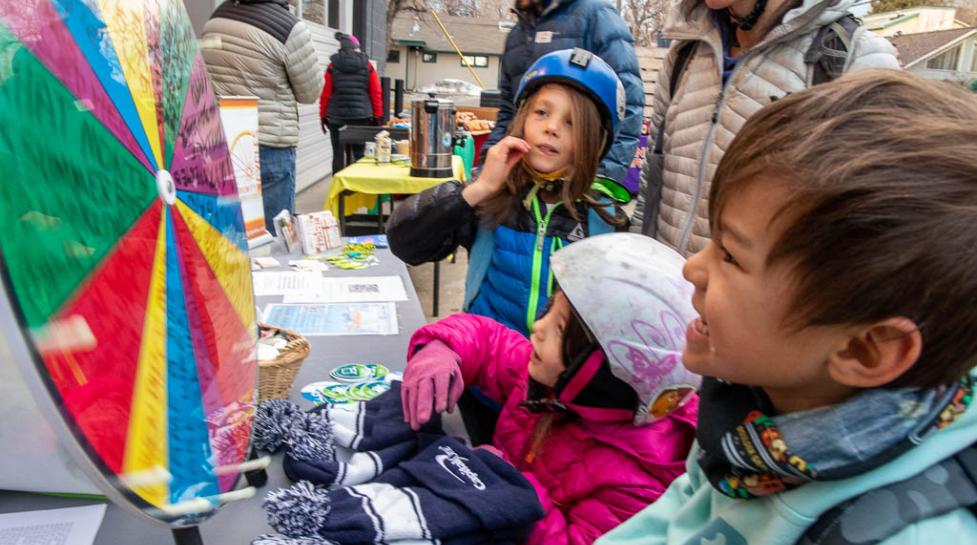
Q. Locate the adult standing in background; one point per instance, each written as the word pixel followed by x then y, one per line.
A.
pixel 257 47
pixel 734 57
pixel 594 25
pixel 351 95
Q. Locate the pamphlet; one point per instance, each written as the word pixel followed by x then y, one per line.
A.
pixel 335 319
pixel 353 289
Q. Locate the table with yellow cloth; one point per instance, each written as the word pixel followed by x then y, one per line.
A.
pixel 368 179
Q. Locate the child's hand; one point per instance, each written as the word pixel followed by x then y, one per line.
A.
pixel 432 383
pixel 498 162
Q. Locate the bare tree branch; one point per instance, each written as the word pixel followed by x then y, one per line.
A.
pixel 396 6
pixel 644 18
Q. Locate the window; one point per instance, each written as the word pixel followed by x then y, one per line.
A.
pixel 334 13
pixel 393 55
pixel 429 57
pixel 476 61
pixel 948 60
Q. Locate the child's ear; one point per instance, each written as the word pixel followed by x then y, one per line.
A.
pixel 877 354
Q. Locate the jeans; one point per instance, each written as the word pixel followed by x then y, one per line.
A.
pixel 277 181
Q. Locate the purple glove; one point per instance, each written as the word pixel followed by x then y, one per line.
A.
pixel 432 383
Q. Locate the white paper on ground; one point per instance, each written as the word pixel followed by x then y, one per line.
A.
pixel 353 289
pixel 284 283
pixel 70 526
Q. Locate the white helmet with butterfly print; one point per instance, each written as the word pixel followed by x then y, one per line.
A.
pixel 629 291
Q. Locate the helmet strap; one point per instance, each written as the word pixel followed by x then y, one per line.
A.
pixel 542 399
pixel 748 22
pixel 542 181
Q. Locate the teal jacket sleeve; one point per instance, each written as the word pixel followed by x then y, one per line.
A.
pixel 958 526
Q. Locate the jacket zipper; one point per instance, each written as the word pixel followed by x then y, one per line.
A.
pixel 541 224
pixel 683 240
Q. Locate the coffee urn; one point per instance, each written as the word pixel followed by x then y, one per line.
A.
pixel 432 130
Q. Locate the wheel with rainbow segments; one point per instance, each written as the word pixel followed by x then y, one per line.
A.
pixel 122 248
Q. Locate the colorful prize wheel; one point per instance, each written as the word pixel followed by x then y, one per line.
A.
pixel 122 249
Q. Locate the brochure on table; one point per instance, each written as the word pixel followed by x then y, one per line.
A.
pixel 338 319
pixel 352 289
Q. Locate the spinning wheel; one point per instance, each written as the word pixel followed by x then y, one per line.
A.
pixel 122 248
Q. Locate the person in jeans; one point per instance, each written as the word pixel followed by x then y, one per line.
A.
pixel 351 95
pixel 257 47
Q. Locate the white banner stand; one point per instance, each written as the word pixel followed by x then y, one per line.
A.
pixel 239 116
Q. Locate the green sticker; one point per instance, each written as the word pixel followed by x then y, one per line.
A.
pixel 352 372
pixel 336 394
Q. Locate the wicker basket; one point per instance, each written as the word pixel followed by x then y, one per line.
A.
pixel 275 377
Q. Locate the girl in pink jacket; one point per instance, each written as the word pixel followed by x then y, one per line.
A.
pixel 599 413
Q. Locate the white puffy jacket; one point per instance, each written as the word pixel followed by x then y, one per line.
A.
pixel 257 47
pixel 703 118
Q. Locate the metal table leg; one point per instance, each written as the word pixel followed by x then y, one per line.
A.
pixel 437 287
pixel 380 213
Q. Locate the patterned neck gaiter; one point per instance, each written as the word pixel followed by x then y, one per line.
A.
pixel 746 452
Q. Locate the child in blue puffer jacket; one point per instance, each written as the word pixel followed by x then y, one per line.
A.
pixel 535 193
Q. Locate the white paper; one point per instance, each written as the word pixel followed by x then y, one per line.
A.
pixel 343 319
pixel 70 526
pixel 284 283
pixel 353 289
pixel 308 265
pixel 264 263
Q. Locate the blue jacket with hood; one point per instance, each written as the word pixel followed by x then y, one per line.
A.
pixel 508 268
pixel 593 25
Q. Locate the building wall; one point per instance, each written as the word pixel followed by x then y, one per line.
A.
pixel 314 153
pixel 369 25
pixel 965 65
pixel 199 11
pixel 418 74
pixel 313 158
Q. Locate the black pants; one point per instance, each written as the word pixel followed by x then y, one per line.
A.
pixel 338 161
pixel 479 418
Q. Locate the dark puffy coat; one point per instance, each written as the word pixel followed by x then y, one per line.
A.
pixel 350 73
pixel 563 24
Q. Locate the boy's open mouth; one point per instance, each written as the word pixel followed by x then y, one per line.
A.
pixel 701 327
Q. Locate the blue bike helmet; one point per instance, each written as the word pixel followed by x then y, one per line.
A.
pixel 585 72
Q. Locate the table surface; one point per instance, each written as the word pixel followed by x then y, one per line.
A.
pixel 239 522
pixel 367 178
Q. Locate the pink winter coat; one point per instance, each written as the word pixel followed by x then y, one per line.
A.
pixel 590 476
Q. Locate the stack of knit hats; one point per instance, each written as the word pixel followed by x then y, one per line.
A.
pixel 399 486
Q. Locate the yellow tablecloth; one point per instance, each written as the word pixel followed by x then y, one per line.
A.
pixel 368 179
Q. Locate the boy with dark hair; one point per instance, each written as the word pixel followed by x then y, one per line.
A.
pixel 836 327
